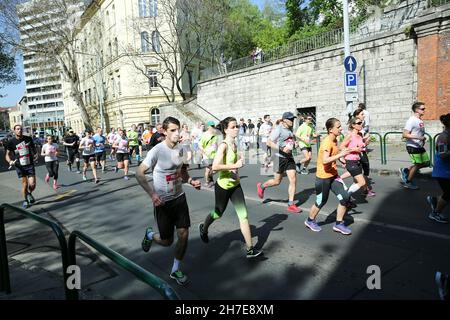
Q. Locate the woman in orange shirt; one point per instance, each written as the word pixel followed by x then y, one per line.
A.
pixel 327 178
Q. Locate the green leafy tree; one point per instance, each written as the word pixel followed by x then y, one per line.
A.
pixel 7 68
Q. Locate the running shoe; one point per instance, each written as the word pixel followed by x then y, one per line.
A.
pixel 69 169
pixel 47 178
pixel 304 171
pixel 371 193
pixel 340 227
pixel 97 181
pixel 30 198
pixel 25 204
pixel 410 185
pixel 84 178
pixel 253 253
pixel 313 225
pixel 55 186
pixel 432 201
pixel 126 178
pixel 404 172
pixel 203 234
pixel 179 277
pixel 443 285
pixel 436 216
pixel 146 242
pixel 298 168
pixel 260 190
pixel 116 169
pixel 294 209
pixel 78 171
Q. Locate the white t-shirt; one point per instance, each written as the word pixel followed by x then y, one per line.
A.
pixel 166 164
pixel 88 144
pixel 264 131
pixel 51 149
pixel 417 128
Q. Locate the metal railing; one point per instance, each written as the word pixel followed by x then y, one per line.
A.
pixel 430 139
pixel 437 3
pixel 153 281
pixel 5 284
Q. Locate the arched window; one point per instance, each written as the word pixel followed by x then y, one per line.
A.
pixel 155 116
pixel 145 42
pixel 116 47
pixel 156 45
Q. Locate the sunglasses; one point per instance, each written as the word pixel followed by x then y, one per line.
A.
pixel 358 123
pixel 423 109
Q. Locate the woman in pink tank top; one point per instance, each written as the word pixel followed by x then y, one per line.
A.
pixel 354 140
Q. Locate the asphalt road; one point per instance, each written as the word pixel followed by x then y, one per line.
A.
pixel 391 231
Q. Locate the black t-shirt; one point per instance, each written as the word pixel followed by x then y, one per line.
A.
pixel 71 139
pixel 23 150
pixel 154 140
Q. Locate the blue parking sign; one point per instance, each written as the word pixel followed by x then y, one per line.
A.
pixel 350 79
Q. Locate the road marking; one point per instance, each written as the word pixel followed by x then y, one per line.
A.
pixel 376 223
pixel 65 194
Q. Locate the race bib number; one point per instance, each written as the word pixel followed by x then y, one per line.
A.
pixel 173 183
pixel 23 150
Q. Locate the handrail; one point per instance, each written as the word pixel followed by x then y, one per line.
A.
pixel 381 143
pixel 205 110
pixel 5 284
pixel 155 282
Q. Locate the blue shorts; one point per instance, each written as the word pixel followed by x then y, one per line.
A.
pixel 25 171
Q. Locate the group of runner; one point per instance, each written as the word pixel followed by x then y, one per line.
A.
pixel 168 161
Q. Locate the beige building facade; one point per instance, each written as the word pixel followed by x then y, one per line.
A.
pixel 121 73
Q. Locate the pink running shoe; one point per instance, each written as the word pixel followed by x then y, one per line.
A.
pixel 55 186
pixel 371 194
pixel 47 178
pixel 260 190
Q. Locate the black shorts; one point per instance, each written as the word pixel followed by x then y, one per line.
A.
pixel 309 149
pixel 89 158
pixel 354 167
pixel 122 156
pixel 285 164
pixel 365 163
pixel 72 154
pixel 445 186
pixel 25 171
pixel 135 149
pixel 100 156
pixel 172 214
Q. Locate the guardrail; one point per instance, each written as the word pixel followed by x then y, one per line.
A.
pixel 153 281
pixel 430 139
pixel 5 284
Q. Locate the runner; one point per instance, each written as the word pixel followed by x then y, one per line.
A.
pixel 87 144
pixel 185 141
pixel 228 185
pixel 169 201
pixel 327 179
pixel 133 142
pixel 196 136
pixel 111 137
pixel 208 147
pixel 50 152
pixel 72 143
pixel 283 140
pixel 441 172
pixel 157 137
pixel 304 134
pixel 354 140
pixel 264 132
pixel 414 132
pixel 21 153
pixel 100 151
pixel 122 153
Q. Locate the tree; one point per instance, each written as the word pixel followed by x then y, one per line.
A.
pixel 185 33
pixel 49 30
pixel 7 68
pixel 297 15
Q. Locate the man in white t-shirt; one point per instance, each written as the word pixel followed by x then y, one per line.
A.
pixel 167 162
pixel 414 132
pixel 264 133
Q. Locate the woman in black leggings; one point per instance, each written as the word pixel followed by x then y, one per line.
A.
pixel 50 151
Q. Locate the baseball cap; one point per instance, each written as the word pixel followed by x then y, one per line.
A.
pixel 210 123
pixel 288 115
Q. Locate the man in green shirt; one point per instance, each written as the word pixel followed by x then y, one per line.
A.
pixel 305 133
pixel 208 148
pixel 133 142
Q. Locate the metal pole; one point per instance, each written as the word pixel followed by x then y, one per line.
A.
pixel 349 104
pixel 5 284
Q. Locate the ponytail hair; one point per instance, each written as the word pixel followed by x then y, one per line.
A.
pixel 223 125
pixel 330 124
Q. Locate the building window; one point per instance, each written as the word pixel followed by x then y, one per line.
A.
pixel 116 47
pixel 144 42
pixel 148 8
pixel 119 87
pixel 110 50
pixel 155 116
pixel 156 45
pixel 152 79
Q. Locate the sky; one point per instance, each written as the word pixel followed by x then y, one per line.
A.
pixel 14 92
